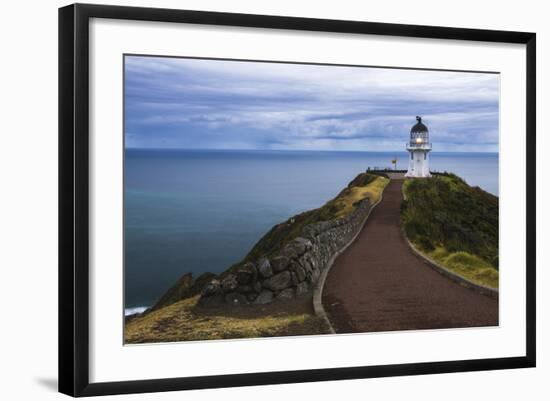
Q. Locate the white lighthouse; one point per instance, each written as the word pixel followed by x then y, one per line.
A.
pixel 419 147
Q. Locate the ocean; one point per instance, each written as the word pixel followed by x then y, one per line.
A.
pixel 202 210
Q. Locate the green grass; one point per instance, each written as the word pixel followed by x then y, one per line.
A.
pixel 466 265
pixel 454 224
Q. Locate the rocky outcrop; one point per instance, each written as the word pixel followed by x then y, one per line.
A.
pixel 290 272
pixel 185 287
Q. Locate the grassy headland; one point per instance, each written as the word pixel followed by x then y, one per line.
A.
pixel 454 224
pixel 177 316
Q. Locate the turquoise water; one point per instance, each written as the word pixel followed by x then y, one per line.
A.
pixel 197 211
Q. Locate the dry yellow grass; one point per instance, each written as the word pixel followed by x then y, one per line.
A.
pixel 466 265
pixel 373 191
pixel 186 321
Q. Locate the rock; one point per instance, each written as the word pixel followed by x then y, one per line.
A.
pixel 245 288
pixel 186 280
pixel 279 281
pixel 257 286
pixel 313 263
pixel 212 288
pixel 315 273
pixel 286 294
pixel 251 297
pixel 296 248
pixel 264 267
pixel 304 262
pixel 279 263
pixel 322 226
pixel 234 298
pixel 294 278
pixel 229 283
pixel 302 244
pixel 212 300
pixel 289 252
pixel 180 290
pixel 310 230
pixel 201 281
pixel 243 277
pixel 265 297
pixel 308 268
pixel 246 273
pixel 300 272
pixel 302 289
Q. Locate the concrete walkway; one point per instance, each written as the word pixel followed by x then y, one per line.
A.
pixel 378 284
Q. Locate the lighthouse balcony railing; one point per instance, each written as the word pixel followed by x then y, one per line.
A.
pixel 419 146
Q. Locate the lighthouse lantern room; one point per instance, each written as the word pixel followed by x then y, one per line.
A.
pixel 419 147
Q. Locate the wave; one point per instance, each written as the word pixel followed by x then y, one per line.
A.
pixel 134 310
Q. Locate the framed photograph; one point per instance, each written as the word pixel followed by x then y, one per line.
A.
pixel 251 199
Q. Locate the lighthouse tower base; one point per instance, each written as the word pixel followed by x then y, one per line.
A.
pixel 419 164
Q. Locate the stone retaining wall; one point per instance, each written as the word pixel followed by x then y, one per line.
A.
pixel 291 272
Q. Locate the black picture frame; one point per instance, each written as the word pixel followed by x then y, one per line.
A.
pixel 74 198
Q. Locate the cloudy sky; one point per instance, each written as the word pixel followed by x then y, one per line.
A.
pixel 212 104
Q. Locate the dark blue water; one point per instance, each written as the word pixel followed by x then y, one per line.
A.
pixel 197 211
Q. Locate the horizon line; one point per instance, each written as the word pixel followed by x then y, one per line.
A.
pixel 300 150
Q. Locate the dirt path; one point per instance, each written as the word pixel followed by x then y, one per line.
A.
pixel 378 284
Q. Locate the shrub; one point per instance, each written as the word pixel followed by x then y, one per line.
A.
pixel 494 262
pixel 425 244
pixel 472 268
pixel 488 275
pixel 450 213
pixel 465 260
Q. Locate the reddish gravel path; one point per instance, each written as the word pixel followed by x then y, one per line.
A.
pixel 378 284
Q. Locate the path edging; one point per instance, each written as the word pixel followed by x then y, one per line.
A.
pixel 318 290
pixel 481 289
